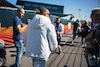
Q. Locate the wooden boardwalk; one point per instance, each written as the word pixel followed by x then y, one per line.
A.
pixel 72 54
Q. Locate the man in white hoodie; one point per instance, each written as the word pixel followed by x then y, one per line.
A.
pixel 40 38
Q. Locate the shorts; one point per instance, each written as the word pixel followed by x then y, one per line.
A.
pixel 58 39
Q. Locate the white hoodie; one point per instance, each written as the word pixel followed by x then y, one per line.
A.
pixel 40 38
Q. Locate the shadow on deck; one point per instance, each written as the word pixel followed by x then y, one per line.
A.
pixel 72 54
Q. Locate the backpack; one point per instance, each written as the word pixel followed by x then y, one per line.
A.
pixel 95 47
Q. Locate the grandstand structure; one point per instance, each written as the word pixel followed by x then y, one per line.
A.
pixel 54 9
pixel 7 14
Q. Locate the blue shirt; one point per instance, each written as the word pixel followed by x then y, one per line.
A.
pixel 16 35
pixel 60 27
pixel 95 25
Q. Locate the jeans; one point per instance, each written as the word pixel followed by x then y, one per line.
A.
pixel 38 63
pixel 92 60
pixel 75 32
pixel 20 51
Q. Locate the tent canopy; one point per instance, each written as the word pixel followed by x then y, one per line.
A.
pixel 5 3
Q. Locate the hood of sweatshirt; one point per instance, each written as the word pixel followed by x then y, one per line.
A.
pixel 39 21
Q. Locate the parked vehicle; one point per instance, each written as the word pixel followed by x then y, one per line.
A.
pixel 2 53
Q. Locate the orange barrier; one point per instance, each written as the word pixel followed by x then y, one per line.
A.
pixel 66 28
pixel 2 28
pixel 7 34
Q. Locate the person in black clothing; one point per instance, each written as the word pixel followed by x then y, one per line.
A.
pixel 85 30
pixel 75 29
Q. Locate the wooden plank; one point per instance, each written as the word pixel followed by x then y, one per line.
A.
pixel 66 49
pixel 65 39
pixel 64 60
pixel 57 60
pixel 71 61
pixel 84 62
pixel 51 59
pixel 71 56
pixel 26 60
pixel 75 50
pixel 63 47
pixel 79 42
pixel 54 56
pixel 70 50
pixel 77 61
pixel 80 51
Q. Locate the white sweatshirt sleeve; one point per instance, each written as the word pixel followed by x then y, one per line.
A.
pixel 52 38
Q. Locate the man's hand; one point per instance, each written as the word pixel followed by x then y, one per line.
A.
pixel 28 20
pixel 58 32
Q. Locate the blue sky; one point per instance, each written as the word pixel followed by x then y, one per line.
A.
pixel 71 6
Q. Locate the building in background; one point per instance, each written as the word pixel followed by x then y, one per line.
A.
pixel 34 5
pixel 8 12
pixel 54 9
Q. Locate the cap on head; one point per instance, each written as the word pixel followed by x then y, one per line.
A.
pixel 96 10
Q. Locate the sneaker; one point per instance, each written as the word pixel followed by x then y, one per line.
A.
pixel 72 42
pixel 66 41
pixel 76 36
pixel 60 51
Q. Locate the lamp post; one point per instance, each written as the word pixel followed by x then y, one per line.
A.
pixel 79 14
pixel 98 3
pixel 85 15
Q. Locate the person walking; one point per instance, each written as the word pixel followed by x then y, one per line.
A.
pixel 40 38
pixel 18 29
pixel 85 30
pixel 59 28
pixel 75 29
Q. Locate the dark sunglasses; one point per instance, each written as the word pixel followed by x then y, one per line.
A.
pixel 94 14
pixel 48 14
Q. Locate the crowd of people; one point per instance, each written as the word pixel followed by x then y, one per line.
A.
pixel 90 38
pixel 42 37
pixel 93 39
